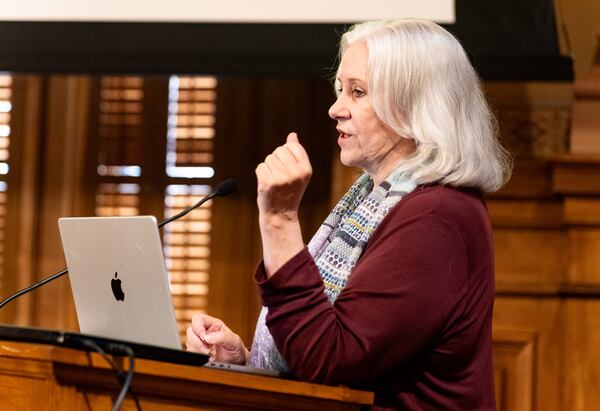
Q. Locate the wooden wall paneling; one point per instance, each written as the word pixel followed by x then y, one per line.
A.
pixel 580 369
pixel 90 170
pixel 532 245
pixel 154 146
pixel 529 241
pixel 527 258
pixel 578 21
pixel 529 238
pixel 534 117
pixel 76 142
pixel 23 182
pixel 525 213
pixel 235 248
pixel 300 105
pixel 578 175
pixel 63 169
pixel 531 179
pixel 514 368
pixel 582 211
pixel 528 349
pixel 584 264
pixel 586 116
pixel 531 93
pixel 577 178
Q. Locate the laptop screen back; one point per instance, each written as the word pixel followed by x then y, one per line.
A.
pixel 119 279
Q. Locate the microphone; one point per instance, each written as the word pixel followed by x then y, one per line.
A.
pixel 222 189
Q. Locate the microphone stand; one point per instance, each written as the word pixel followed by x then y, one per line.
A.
pixel 222 189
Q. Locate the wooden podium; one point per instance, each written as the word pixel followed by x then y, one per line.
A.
pixel 45 377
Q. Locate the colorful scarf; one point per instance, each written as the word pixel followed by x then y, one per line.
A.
pixel 336 247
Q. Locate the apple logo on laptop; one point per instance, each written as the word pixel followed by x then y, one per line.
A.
pixel 115 284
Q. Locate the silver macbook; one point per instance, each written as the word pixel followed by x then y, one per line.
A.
pixel 120 283
pixel 119 279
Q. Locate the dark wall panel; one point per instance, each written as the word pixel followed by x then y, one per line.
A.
pixel 507 40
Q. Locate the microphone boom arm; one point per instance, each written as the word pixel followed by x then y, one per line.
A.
pixel 33 287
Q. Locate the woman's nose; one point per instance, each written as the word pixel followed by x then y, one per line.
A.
pixel 338 111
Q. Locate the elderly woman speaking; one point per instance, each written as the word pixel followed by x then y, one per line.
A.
pixel 394 292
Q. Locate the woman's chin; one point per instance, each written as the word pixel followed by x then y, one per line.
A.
pixel 348 161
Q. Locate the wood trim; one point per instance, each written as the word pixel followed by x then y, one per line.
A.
pixel 582 211
pixel 562 291
pixel 576 175
pixel 514 213
pixel 570 159
pixel 527 290
pixel 579 291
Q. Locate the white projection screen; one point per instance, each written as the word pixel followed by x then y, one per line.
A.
pixel 235 11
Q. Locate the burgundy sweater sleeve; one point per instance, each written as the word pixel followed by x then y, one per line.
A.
pixel 404 290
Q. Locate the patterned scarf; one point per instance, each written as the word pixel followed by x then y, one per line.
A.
pixel 336 247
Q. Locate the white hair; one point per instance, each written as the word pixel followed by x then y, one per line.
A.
pixel 424 88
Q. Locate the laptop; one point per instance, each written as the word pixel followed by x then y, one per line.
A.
pixel 119 279
pixel 120 283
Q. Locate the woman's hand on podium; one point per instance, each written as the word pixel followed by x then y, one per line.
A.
pixel 209 335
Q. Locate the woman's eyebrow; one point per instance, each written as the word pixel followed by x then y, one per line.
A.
pixel 351 80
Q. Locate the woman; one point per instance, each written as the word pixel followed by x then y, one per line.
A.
pixel 394 292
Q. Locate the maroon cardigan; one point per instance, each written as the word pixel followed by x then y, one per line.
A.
pixel 414 321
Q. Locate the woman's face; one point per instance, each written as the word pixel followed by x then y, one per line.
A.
pixel 364 140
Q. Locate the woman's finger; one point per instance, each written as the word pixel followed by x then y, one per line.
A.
pixel 203 322
pixel 274 163
pixel 263 174
pixel 293 144
pixel 194 343
pixel 285 156
pixel 226 338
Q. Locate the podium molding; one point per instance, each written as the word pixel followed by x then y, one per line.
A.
pixel 46 377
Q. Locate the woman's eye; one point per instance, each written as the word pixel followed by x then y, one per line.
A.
pixel 358 93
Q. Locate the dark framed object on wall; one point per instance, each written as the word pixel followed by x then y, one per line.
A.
pixel 511 40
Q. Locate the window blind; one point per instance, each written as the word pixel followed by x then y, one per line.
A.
pixel 120 142
pixel 188 171
pixel 5 114
pixel 190 140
